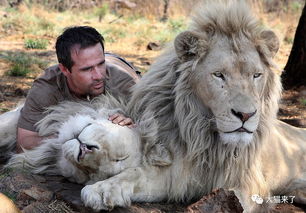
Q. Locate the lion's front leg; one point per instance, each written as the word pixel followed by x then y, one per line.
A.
pixel 133 184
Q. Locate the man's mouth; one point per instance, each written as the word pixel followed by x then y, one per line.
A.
pixel 98 85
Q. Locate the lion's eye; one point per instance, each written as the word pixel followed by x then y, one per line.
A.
pixel 219 75
pixel 257 75
pixel 121 158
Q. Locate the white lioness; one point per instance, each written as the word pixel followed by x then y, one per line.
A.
pixel 85 147
pixel 211 100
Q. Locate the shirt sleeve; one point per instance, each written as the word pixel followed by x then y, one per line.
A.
pixel 38 99
pixel 119 82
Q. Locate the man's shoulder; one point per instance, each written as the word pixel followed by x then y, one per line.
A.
pixel 48 87
pixel 51 73
pixel 117 66
pixel 51 79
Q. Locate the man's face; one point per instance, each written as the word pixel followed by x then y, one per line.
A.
pixel 88 73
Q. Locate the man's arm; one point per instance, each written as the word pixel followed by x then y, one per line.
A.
pixel 27 139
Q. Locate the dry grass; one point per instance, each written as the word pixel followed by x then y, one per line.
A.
pixel 131 32
pixel 126 35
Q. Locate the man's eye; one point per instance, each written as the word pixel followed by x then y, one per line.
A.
pixel 257 75
pixel 219 75
pixel 86 70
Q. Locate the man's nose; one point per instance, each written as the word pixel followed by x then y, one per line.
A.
pixel 97 73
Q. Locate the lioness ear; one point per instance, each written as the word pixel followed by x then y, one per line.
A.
pixel 271 41
pixel 186 45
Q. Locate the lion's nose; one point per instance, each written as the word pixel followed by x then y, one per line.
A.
pixel 242 115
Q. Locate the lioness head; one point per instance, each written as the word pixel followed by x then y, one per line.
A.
pixel 231 74
pixel 103 148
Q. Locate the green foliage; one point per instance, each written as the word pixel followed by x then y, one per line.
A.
pixel 13 23
pixel 288 40
pixel 111 35
pixel 166 32
pixel 22 64
pixel 135 18
pixel 44 24
pixel 36 25
pixel 295 6
pixel 303 101
pixel 102 11
pixel 2 110
pixel 176 25
pixel 35 43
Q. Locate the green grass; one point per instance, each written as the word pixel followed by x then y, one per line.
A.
pixel 295 6
pixel 102 11
pixel 12 23
pixel 35 43
pixel 303 101
pixel 22 64
pixel 176 25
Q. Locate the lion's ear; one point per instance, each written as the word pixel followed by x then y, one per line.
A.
pixel 271 41
pixel 186 45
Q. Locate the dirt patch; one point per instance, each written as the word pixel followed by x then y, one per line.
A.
pixel 293 107
pixel 36 194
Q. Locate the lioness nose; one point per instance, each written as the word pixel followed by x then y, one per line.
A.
pixel 242 115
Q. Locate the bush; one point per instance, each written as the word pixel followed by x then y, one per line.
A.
pixel 177 25
pixel 303 101
pixel 102 11
pixel 36 43
pixel 22 64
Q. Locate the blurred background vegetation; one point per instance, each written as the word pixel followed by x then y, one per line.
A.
pixel 134 29
pixel 130 27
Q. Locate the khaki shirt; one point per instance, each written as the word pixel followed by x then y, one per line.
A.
pixel 51 88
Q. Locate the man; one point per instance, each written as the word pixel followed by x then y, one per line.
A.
pixel 83 72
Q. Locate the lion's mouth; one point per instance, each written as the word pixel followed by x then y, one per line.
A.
pixel 241 129
pixel 84 149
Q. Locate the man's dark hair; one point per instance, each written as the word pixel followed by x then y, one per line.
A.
pixel 84 36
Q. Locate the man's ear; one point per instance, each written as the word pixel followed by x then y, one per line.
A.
pixel 64 69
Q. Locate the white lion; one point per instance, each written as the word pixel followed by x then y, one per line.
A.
pixel 84 145
pixel 211 100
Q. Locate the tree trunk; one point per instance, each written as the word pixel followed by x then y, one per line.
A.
pixel 165 11
pixel 295 69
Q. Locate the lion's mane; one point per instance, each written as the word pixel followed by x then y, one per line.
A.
pixel 166 106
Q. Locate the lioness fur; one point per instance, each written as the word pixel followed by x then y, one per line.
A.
pixel 83 145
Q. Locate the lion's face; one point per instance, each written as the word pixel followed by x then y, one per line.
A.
pixel 230 85
pixel 104 148
pixel 229 79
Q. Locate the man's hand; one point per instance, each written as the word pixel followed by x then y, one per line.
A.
pixel 27 139
pixel 121 120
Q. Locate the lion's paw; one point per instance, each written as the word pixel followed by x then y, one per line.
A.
pixel 104 195
pixel 92 198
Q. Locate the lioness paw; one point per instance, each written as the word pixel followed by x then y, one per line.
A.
pixel 91 198
pixel 105 195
